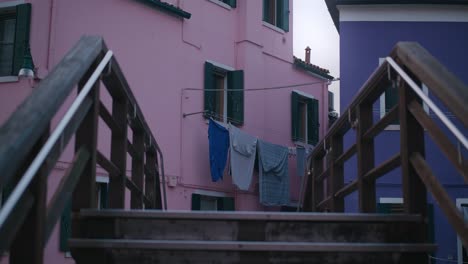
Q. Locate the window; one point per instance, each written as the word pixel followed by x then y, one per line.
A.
pixel 304 118
pixel 462 252
pixel 231 3
pixel 276 12
pixel 14 37
pixel 224 95
pixel 202 202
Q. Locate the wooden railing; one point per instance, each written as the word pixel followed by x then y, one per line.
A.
pixel 26 219
pixel 325 188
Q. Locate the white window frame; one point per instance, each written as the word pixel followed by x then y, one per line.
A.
pixel 459 202
pixel 300 143
pixel 391 200
pixel 221 4
pixel 382 111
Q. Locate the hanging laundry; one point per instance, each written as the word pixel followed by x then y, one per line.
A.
pixel 218 139
pixel 301 161
pixel 273 172
pixel 243 150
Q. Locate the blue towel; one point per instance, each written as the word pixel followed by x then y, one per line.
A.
pixel 218 139
pixel 301 161
pixel 273 174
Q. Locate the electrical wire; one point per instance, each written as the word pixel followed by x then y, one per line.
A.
pixel 261 89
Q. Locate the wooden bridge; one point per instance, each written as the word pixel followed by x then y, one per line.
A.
pixel 149 234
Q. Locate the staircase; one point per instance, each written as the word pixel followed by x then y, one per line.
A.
pixel 156 236
pixel 118 236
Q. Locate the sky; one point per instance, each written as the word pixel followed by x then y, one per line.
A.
pixel 314 27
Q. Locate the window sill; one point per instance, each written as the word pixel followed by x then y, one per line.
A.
pixel 303 144
pixel 273 27
pixel 166 7
pixel 392 128
pixel 221 4
pixel 8 79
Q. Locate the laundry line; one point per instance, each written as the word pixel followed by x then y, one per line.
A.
pixel 291 150
pixel 261 89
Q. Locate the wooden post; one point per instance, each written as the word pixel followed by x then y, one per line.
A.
pixel 317 187
pixel 28 245
pixel 150 170
pixel 136 200
pixel 411 141
pixel 118 154
pixel 84 195
pixel 365 158
pixel 157 185
pixel 336 177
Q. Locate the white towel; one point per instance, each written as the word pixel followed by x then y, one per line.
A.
pixel 243 148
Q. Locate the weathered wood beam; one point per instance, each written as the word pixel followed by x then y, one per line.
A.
pixel 383 168
pixel 440 81
pixel 37 110
pixel 65 189
pixel 442 198
pixel 138 163
pixel 440 139
pixel 411 141
pixel 346 155
pixel 365 158
pixel 389 117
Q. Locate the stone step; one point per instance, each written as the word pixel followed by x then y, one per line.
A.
pixel 194 251
pixel 250 226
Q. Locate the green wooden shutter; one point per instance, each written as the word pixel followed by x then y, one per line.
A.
pixel 384 208
pixel 232 3
pixel 65 227
pixel 312 121
pixel 283 14
pixel 196 202
pixel 266 8
pixel 225 204
pixel 391 99
pixel 104 195
pixel 23 22
pixel 210 96
pixel 294 116
pixel 235 102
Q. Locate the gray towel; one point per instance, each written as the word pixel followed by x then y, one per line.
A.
pixel 243 150
pixel 273 172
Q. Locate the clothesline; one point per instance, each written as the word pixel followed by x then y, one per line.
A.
pixel 262 88
pixel 292 150
pixel 243 147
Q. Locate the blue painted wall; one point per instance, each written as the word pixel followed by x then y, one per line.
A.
pixel 361 46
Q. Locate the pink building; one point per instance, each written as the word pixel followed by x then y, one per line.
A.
pixel 170 51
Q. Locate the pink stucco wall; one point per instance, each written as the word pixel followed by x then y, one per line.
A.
pixel 161 55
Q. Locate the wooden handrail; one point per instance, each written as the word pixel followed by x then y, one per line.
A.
pixel 20 142
pixel 38 109
pixel 439 80
pixel 414 61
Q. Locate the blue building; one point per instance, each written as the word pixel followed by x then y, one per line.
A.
pixel 369 29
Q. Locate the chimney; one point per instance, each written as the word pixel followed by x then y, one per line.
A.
pixel 307 57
